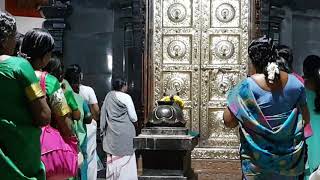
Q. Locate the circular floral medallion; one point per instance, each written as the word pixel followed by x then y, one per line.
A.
pixel 224 49
pixel 225 12
pixel 177 12
pixel 176 84
pixel 176 49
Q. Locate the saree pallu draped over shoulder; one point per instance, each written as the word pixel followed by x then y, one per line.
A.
pixel 19 138
pixel 264 151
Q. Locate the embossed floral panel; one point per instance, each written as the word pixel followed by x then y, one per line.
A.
pixel 199 48
pixel 179 81
pixel 224 49
pixel 187 116
pixel 218 134
pixel 177 49
pixel 220 82
pixel 177 13
pixel 225 13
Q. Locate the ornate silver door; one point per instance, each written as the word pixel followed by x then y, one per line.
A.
pixel 176 53
pixel 223 63
pixel 200 49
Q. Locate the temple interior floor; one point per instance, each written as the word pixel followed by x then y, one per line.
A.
pixel 208 169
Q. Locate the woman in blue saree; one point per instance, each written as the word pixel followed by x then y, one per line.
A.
pixel 266 107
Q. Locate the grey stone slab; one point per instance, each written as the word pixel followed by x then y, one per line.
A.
pixel 162 172
pixel 167 163
pixel 165 142
pixel 164 131
pixel 162 178
pixel 152 174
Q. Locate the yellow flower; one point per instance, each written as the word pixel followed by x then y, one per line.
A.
pixel 176 99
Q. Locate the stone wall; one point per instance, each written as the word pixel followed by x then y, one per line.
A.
pixel 299 30
pixel 294 27
pixel 104 38
pixel 89 42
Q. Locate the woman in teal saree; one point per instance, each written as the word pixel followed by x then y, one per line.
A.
pixel 266 107
pixel 311 69
pixel 72 76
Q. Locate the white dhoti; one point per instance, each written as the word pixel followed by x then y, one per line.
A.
pixel 91 150
pixel 315 175
pixel 121 168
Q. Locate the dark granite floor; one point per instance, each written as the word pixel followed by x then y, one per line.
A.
pixel 207 169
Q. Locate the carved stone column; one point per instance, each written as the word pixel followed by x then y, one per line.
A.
pixel 270 19
pixel 256 20
pixel 55 14
pixel 265 17
pixel 132 22
pixel 276 17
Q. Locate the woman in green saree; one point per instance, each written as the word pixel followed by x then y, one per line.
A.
pixel 37 46
pixel 23 111
pixel 54 67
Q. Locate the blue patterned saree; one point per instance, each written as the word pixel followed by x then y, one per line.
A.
pixel 266 153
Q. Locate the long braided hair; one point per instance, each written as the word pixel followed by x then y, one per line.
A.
pixel 265 58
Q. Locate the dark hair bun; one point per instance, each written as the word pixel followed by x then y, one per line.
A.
pixel 310 66
pixel 37 43
pixel 118 83
pixel 317 81
pixel 261 49
pixel 55 68
pixel 8 25
pixel 263 54
pixel 73 74
pixel 311 71
pixel 286 60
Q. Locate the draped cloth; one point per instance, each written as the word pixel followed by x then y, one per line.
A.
pixel 118 133
pixel 313 141
pixel 116 127
pixel 19 139
pixel 265 151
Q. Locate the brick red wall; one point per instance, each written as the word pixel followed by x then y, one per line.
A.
pixel 24 7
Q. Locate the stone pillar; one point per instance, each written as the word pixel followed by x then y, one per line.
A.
pixel 286 28
pixel 271 18
pixel 275 19
pixel 55 14
pixel 264 21
pixel 90 43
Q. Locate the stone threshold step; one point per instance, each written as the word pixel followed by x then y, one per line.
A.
pixel 162 177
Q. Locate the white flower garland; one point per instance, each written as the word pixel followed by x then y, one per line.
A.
pixel 272 70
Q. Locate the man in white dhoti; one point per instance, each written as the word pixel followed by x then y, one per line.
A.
pixel 117 124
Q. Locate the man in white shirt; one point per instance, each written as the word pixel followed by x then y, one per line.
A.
pixel 89 96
